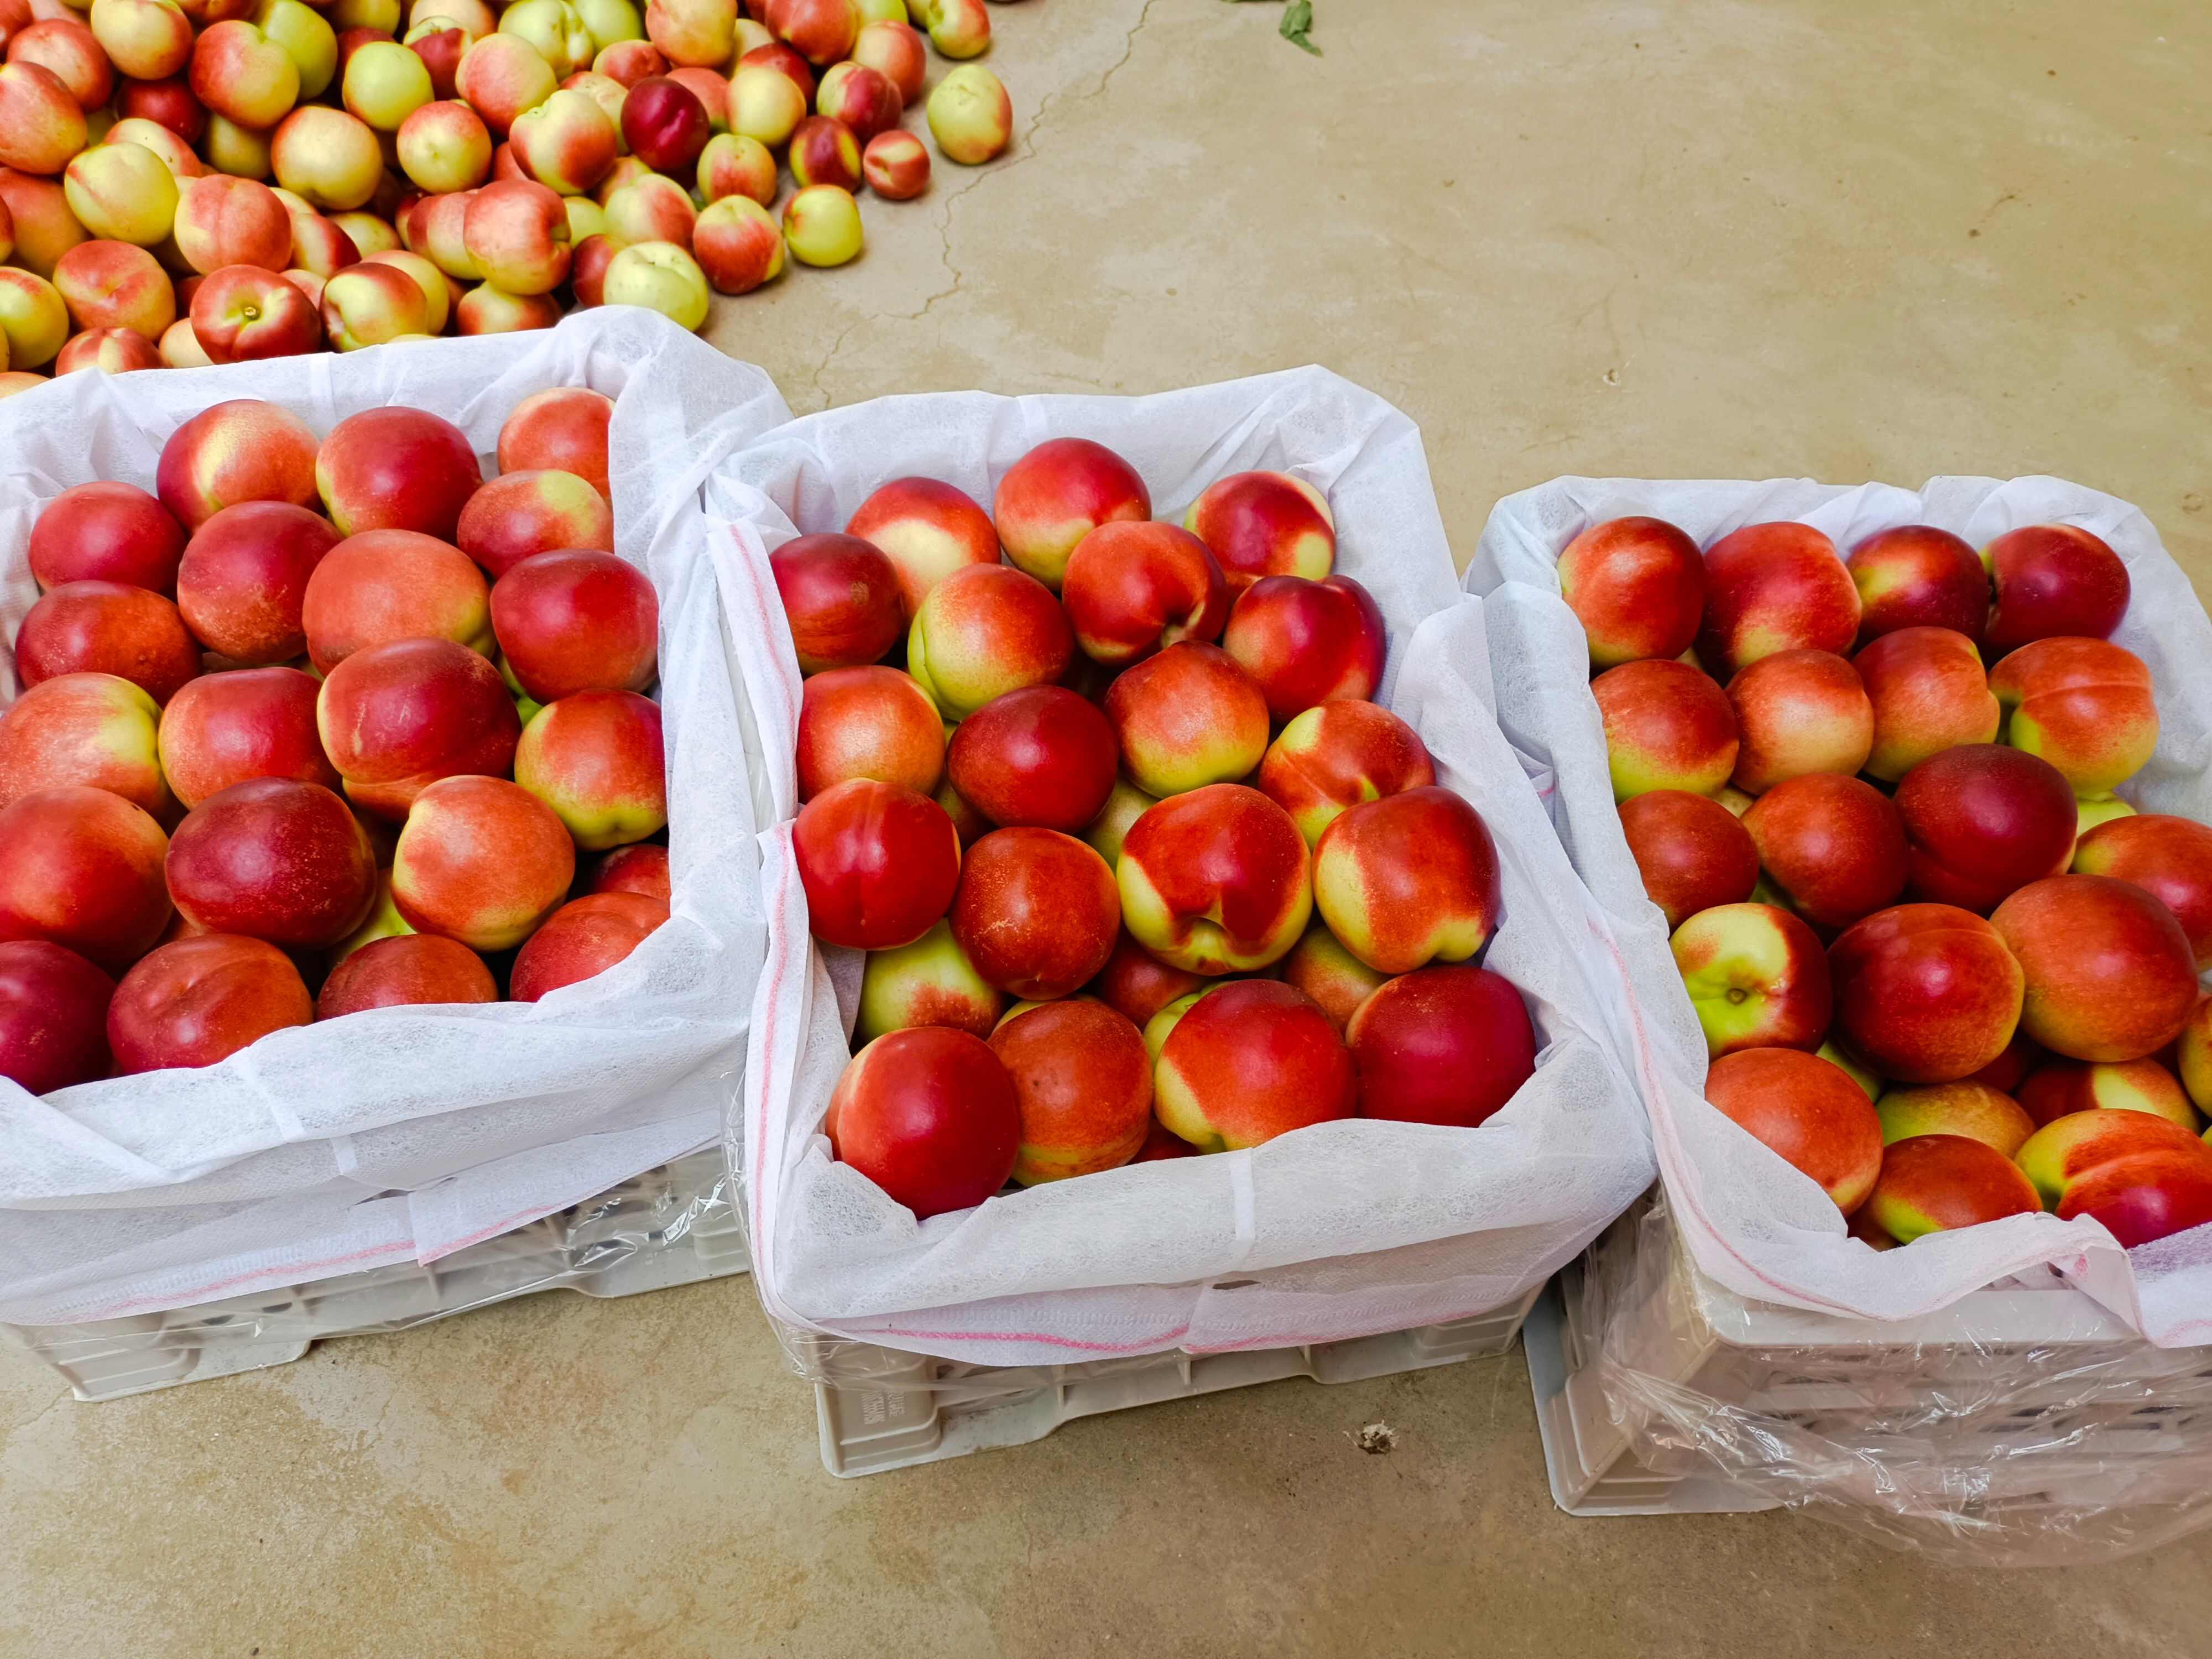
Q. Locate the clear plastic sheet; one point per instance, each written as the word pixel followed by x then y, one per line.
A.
pixel 2023 1425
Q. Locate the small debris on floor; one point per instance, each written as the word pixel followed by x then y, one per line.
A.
pixel 1377 1439
pixel 1297 26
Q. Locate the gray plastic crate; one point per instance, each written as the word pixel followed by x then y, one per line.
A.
pixel 671 1225
pixel 887 1409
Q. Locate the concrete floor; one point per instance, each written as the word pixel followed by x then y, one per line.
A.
pixel 1886 239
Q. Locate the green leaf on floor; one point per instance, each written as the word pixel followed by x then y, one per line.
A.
pixel 1297 26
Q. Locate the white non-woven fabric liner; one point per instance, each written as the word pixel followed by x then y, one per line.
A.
pixel 1751 1221
pixel 1338 1230
pixel 411 1132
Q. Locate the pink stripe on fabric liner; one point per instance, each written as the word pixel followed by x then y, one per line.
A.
pixel 761 1246
pixel 517 1219
pixel 1151 1344
pixel 1646 1065
pixel 1147 1346
pixel 136 1303
pixel 760 608
pixel 1323 1341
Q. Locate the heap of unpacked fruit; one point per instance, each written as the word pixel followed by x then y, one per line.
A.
pixel 497 160
pixel 1083 833
pixel 211 663
pixel 1942 968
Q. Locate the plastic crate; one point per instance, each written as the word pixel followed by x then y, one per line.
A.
pixel 2025 1397
pixel 887 1409
pixel 671 1225
pixel 1588 1459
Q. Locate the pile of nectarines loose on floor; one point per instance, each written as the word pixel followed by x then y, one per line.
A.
pixel 497 161
pixel 1083 844
pixel 210 664
pixel 1941 968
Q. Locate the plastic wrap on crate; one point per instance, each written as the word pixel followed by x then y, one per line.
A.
pixel 672 1225
pixel 2024 1425
pixel 1751 1220
pixel 1341 1230
pixel 403 1133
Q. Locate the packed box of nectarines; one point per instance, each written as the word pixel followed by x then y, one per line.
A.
pixel 1165 950
pixel 1897 803
pixel 341 926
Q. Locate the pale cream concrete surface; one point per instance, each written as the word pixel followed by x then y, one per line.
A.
pixel 1886 239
